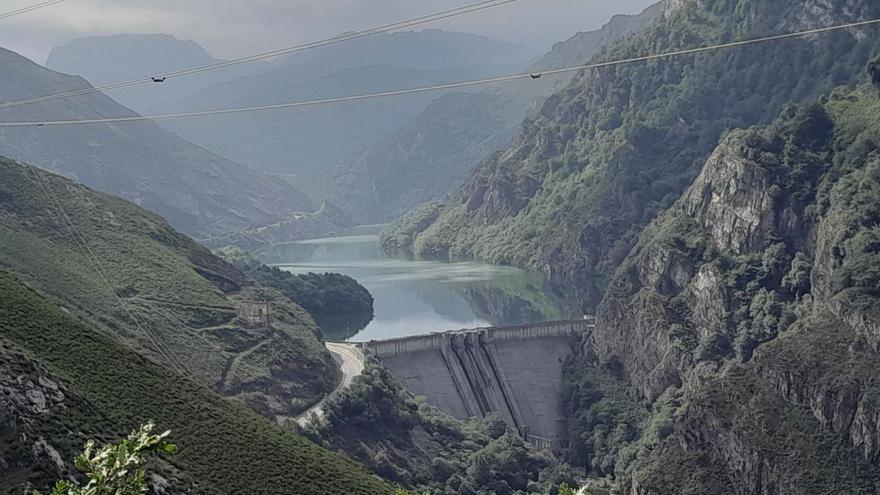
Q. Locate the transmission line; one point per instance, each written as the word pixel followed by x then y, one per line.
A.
pixel 425 89
pixel 343 38
pixel 30 8
pixel 172 361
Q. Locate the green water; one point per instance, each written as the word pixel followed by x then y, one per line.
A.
pixel 415 297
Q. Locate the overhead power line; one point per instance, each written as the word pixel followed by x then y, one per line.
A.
pixel 171 360
pixel 29 8
pixel 343 38
pixel 425 89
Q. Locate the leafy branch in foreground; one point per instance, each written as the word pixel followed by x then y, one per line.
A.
pixel 117 469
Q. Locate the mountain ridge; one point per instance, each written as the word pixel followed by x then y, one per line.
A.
pixel 755 294
pixel 543 202
pixel 109 59
pixel 432 154
pixel 197 191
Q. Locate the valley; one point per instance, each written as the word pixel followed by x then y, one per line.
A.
pixel 465 253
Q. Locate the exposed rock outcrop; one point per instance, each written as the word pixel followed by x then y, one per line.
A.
pixel 754 299
pixel 28 395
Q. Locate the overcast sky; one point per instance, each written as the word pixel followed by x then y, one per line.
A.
pixel 231 28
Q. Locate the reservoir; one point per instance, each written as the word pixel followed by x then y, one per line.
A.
pixel 414 296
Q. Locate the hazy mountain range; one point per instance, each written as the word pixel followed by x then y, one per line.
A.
pixel 374 159
pixel 430 155
pixel 197 191
pixel 104 60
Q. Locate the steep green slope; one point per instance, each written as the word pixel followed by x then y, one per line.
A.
pixel 736 344
pixel 198 192
pixel 131 276
pixel 618 145
pixel 64 381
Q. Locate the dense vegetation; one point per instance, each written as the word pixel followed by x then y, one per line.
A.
pixel 405 440
pixel 398 237
pixel 106 389
pixel 117 469
pixel 619 145
pixel 328 297
pixel 761 325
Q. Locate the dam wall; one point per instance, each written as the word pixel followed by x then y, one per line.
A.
pixel 514 372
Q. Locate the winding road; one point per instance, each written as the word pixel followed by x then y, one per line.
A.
pixel 351 360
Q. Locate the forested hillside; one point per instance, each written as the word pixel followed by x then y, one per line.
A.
pixel 741 329
pixel 618 145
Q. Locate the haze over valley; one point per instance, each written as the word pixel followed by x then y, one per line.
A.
pixel 504 247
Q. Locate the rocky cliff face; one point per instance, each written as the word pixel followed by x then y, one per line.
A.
pixel 732 199
pixel 27 397
pixel 753 301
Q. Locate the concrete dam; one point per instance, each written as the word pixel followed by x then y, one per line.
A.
pixel 514 372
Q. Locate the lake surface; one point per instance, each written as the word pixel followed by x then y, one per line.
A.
pixel 414 297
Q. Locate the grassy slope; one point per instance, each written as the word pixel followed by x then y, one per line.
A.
pixel 224 447
pixel 187 297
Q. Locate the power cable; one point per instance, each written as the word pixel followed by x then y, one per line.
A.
pixel 467 9
pixel 30 8
pixel 150 333
pixel 425 89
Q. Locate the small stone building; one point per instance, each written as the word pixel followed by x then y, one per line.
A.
pixel 256 313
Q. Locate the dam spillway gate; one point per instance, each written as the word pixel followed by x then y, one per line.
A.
pixel 514 372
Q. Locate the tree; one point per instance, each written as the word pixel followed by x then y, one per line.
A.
pixel 117 469
pixel 874 71
pixel 564 489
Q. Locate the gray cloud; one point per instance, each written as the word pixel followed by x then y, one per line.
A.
pixel 229 28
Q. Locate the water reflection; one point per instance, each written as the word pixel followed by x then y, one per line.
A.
pixel 414 296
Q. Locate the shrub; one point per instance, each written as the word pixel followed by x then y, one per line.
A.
pixel 117 469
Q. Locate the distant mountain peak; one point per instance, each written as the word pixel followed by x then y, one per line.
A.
pixel 113 58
